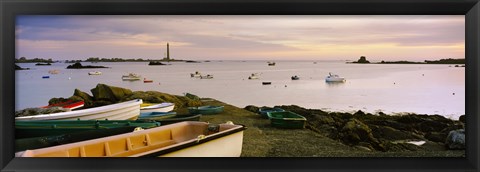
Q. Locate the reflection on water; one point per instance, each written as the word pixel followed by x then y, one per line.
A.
pixel 335 84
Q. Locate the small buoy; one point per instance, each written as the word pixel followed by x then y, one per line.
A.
pixel 394 83
pixel 69 78
pixel 423 74
pixel 285 85
pixel 453 93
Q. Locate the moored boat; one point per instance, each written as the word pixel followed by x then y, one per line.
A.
pixel 264 110
pixel 45 77
pixel 266 83
pixel 145 80
pixel 156 115
pixel 196 74
pixel 286 119
pixel 95 73
pixel 131 77
pixel 254 76
pixel 206 76
pixel 271 63
pixel 295 77
pixel 334 78
pixel 53 71
pixel 128 110
pixel 26 129
pixel 184 139
pixel 69 104
pixel 206 110
pixel 162 107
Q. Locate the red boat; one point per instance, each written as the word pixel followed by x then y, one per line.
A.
pixel 147 81
pixel 69 104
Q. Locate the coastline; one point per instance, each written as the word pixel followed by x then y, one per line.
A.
pixel 327 134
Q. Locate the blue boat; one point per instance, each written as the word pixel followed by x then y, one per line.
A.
pixel 45 77
pixel 156 115
pixel 264 110
pixel 205 110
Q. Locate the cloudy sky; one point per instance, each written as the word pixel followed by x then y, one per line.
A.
pixel 415 38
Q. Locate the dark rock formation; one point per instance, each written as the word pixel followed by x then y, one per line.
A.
pixel 362 59
pixel 80 66
pixel 155 63
pixel 20 68
pixel 37 111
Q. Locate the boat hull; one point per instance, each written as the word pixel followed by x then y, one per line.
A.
pixel 121 111
pixel 185 139
pixel 162 107
pixel 156 115
pixel 178 118
pixel 206 110
pixel 287 119
pixel 263 111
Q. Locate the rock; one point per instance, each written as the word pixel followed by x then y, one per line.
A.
pixel 456 139
pixel 252 108
pixel 78 65
pixel 110 93
pixel 20 68
pixel 80 95
pixel 391 134
pixel 462 119
pixel 436 136
pixel 37 111
pixel 362 59
pixel 354 132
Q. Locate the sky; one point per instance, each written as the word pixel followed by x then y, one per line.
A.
pixel 243 37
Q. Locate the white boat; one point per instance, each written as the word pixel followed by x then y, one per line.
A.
pixel 131 77
pixel 253 76
pixel 334 78
pixel 195 75
pixel 53 71
pixel 207 77
pixel 183 139
pixel 121 111
pixel 162 107
pixel 95 73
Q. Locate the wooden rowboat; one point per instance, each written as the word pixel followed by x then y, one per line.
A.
pixel 184 139
pixel 128 110
pixel 205 109
pixel 156 115
pixel 162 107
pixel 25 129
pixel 286 119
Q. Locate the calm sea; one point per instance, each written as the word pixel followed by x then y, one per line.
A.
pixel 390 88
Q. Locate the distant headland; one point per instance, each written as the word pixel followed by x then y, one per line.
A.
pixel 363 60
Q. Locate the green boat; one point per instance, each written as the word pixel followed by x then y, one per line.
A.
pixel 179 118
pixel 206 110
pixel 286 119
pixel 264 110
pixel 26 129
pixel 156 115
pixel 48 141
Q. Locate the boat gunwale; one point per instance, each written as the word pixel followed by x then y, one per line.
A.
pixel 156 106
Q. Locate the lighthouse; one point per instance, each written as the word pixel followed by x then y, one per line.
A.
pixel 168 52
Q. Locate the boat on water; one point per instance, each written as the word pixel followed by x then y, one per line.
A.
pixel 206 76
pixel 271 63
pixel 286 119
pixel 295 77
pixel 95 73
pixel 53 71
pixel 196 74
pixel 128 110
pixel 69 104
pixel 254 76
pixel 156 115
pixel 27 129
pixel 45 77
pixel 183 139
pixel 266 83
pixel 334 78
pixel 264 110
pixel 131 77
pixel 206 110
pixel 162 107
pixel 145 80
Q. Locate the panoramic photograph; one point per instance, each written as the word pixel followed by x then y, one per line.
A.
pixel 240 86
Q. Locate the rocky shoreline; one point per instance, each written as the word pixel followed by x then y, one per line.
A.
pixel 327 134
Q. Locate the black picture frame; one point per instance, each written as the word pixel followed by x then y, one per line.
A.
pixel 11 8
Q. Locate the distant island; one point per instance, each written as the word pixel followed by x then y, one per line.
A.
pixel 80 66
pixel 34 60
pixel 156 63
pixel 364 60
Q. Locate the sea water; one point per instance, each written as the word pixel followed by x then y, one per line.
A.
pixel 389 88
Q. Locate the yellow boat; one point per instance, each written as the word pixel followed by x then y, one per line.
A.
pixel 184 139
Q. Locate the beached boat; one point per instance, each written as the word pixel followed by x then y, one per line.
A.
pixel 69 104
pixel 295 77
pixel 286 119
pixel 95 73
pixel 195 75
pixel 266 83
pixel 205 110
pixel 128 110
pixel 26 129
pixel 131 77
pixel 156 115
pixel 253 76
pixel 162 107
pixel 264 110
pixel 179 118
pixel 334 78
pixel 184 139
pixel 54 140
pixel 206 77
